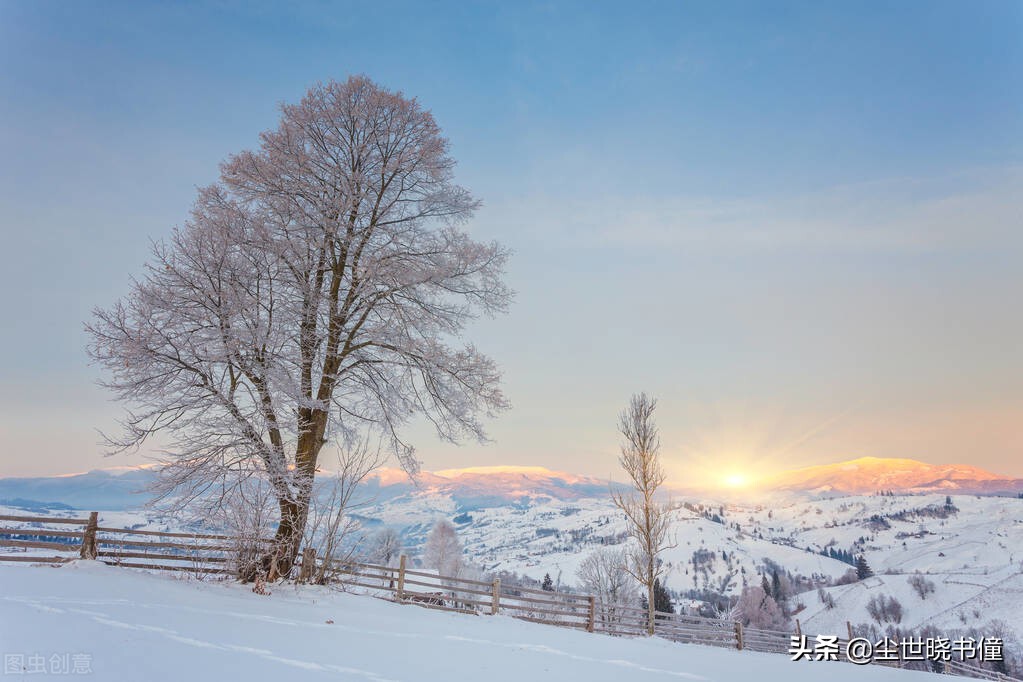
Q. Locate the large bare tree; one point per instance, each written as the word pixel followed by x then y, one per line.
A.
pixel 648 519
pixel 318 290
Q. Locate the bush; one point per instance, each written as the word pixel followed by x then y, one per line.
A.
pixel 921 585
pixel 885 609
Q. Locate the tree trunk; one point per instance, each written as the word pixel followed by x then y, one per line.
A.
pixel 287 543
pixel 650 605
pixel 280 559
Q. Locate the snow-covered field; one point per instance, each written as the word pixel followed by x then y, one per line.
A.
pixel 973 554
pixel 985 535
pixel 131 625
pixel 958 601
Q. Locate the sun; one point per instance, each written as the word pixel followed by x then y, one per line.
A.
pixel 735 480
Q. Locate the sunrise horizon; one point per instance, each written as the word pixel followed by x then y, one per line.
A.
pixel 801 256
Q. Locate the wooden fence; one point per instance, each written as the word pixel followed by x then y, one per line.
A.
pixel 466 595
pixel 197 553
pixel 201 554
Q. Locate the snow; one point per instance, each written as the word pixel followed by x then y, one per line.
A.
pixel 957 602
pixel 974 557
pixel 137 625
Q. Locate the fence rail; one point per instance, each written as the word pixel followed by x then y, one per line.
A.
pixel 200 553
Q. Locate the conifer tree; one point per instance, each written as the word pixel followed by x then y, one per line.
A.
pixel 662 600
pixel 862 568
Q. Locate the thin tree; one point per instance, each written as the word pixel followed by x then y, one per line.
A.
pixel 385 547
pixel 443 550
pixel 648 520
pixel 319 289
pixel 603 574
pixel 332 522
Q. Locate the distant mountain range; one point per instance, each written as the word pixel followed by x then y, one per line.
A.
pixel 492 486
pixel 122 488
pixel 111 489
pixel 870 474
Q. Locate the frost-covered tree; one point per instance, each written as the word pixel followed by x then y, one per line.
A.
pixel 318 290
pixel 648 519
pixel 826 598
pixel 332 523
pixel 757 609
pixel 384 547
pixel 921 585
pixel 885 609
pixel 547 585
pixel 603 575
pixel 443 549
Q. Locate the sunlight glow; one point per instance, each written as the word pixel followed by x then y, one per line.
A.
pixel 735 480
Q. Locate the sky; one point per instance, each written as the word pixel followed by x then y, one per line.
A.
pixel 796 224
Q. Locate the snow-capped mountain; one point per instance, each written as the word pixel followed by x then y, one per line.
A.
pixel 114 488
pixel 870 474
pixel 478 487
pixel 118 488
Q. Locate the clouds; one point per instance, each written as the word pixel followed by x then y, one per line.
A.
pixel 971 211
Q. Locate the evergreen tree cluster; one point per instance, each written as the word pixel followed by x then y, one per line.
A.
pixel 840 554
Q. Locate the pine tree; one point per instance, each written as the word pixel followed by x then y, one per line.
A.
pixel 548 584
pixel 862 568
pixel 662 600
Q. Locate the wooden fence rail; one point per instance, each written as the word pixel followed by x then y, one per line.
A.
pixel 198 553
pixel 209 553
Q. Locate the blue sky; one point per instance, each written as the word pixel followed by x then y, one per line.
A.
pixel 795 223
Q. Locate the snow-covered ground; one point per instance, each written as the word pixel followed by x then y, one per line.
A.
pixel 985 535
pixel 973 555
pixel 958 601
pixel 131 625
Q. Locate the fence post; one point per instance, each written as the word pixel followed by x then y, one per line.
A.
pixel 401 578
pixel 738 635
pixel 88 550
pixel 848 628
pixel 305 572
pixel 591 616
pixel 799 630
pixel 496 605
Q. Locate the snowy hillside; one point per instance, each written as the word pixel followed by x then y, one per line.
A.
pixel 972 549
pixel 554 537
pixel 959 601
pixel 901 533
pixel 532 521
pixel 118 624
